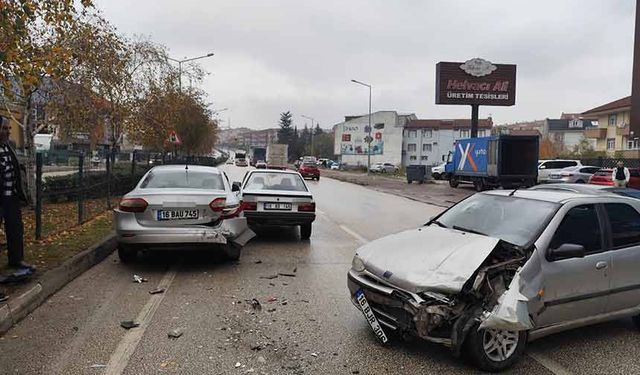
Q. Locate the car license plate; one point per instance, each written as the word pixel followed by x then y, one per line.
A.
pixel 177 214
pixel 277 206
pixel 555 176
pixel 368 314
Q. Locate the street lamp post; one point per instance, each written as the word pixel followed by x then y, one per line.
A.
pixel 312 120
pixel 369 139
pixel 180 62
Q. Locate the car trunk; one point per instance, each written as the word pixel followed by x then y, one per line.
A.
pixel 602 177
pixel 178 208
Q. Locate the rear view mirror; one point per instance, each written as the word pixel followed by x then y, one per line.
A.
pixel 566 251
pixel 235 187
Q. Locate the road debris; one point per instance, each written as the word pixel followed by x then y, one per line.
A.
pixel 284 303
pixel 98 366
pixel 295 270
pixel 287 274
pixel 271 310
pixel 174 334
pixel 262 360
pixel 157 291
pixel 269 277
pixel 256 305
pixel 314 355
pixel 139 279
pixel 258 261
pixel 238 364
pixel 128 324
pixel 272 299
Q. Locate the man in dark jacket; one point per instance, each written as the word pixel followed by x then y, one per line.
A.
pixel 12 195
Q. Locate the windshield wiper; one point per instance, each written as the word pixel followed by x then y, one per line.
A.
pixel 468 230
pixel 435 221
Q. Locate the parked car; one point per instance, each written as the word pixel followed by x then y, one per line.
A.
pixel 384 168
pixel 437 172
pixel 261 164
pixel 605 177
pixel 549 167
pixel 309 170
pixel 590 189
pixel 577 174
pixel 489 286
pixel 178 206
pixel 335 166
pixel 271 197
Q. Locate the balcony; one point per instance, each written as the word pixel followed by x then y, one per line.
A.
pixel 598 133
pixel 624 131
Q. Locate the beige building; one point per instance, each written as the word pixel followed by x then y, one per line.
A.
pixel 612 134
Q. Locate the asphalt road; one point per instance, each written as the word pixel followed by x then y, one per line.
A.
pixel 307 323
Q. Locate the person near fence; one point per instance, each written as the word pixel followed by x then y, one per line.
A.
pixel 620 175
pixel 13 194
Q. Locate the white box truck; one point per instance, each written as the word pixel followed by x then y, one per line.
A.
pixel 277 156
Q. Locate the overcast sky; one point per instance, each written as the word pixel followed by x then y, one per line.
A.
pixel 274 56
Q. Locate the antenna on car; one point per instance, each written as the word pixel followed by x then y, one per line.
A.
pixel 514 190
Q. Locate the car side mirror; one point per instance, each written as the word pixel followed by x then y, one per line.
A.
pixel 235 187
pixel 566 251
pixel 443 158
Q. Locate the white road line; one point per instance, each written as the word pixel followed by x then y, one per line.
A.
pixel 548 363
pixel 353 234
pixel 120 358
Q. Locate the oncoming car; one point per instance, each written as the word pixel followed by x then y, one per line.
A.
pixel 485 288
pixel 279 198
pixel 180 207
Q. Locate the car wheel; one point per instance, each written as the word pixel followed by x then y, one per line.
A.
pixel 580 182
pixel 436 176
pixel 495 350
pixel 453 182
pixel 318 178
pixel 232 251
pixel 305 231
pixel 479 185
pixel 127 253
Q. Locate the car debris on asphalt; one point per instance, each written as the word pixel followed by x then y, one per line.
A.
pixel 287 274
pixel 176 333
pixel 128 324
pixel 269 277
pixel 256 305
pixel 139 279
pixel 157 291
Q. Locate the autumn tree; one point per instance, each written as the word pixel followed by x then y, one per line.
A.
pixel 31 52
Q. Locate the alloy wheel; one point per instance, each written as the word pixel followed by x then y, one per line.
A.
pixel 499 345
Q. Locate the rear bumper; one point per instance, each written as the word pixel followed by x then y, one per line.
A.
pixel 279 218
pixel 129 231
pixel 310 174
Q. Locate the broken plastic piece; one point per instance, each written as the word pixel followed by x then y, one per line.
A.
pixel 287 274
pixel 157 291
pixel 128 324
pixel 511 312
pixel 139 279
pixel 256 305
pixel 270 277
pixel 174 334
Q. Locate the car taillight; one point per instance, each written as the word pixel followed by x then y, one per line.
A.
pixel 249 206
pixel 133 205
pixel 232 211
pixel 307 207
pixel 218 204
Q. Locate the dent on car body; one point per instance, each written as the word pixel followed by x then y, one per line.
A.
pixel 237 231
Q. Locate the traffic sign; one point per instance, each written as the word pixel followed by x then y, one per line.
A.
pixel 173 138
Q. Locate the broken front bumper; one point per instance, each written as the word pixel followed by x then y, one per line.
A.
pixel 396 310
pixel 129 231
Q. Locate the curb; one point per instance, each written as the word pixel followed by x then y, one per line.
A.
pixel 53 280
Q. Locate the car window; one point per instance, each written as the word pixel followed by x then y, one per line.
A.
pixel 625 224
pixel 275 181
pixel 580 226
pixel 564 164
pixel 182 179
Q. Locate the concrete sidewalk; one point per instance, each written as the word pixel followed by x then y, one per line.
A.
pixel 437 193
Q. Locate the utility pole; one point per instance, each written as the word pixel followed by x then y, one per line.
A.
pixel 369 139
pixel 634 125
pixel 180 62
pixel 312 120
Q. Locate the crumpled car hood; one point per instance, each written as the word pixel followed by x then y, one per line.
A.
pixel 427 259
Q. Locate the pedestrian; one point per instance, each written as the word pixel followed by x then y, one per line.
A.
pixel 12 195
pixel 620 175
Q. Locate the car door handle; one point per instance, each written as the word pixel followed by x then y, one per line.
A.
pixel 601 265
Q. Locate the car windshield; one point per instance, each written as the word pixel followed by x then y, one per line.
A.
pixel 275 181
pixel 182 179
pixel 500 217
pixel 633 193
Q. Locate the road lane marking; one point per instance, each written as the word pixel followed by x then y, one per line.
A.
pixel 353 234
pixel 548 363
pixel 127 346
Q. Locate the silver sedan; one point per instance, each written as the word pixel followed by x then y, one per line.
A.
pixel 181 206
pixel 275 197
pixel 578 174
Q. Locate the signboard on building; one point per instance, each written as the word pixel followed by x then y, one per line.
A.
pixel 355 137
pixel 475 82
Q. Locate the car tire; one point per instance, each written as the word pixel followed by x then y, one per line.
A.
pixel 305 231
pixel 580 182
pixel 318 178
pixel 127 253
pixel 232 252
pixel 453 182
pixel 478 185
pixel 488 357
pixel 436 176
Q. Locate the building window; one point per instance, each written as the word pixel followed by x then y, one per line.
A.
pixel 633 144
pixel 378 126
pixel 466 133
pixel 413 157
pixel 346 137
pixel 482 133
pixel 613 119
pixel 426 147
pixel 411 147
pixel 611 144
pixel 425 157
pixel 427 133
pixel 413 133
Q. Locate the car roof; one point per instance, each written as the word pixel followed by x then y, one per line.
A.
pixel 273 171
pixel 182 167
pixel 560 160
pixel 551 195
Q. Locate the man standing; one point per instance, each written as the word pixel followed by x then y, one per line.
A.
pixel 620 175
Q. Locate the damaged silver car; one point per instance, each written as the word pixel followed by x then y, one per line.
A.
pixel 181 207
pixel 503 268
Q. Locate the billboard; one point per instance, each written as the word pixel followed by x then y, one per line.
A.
pixel 354 140
pixel 475 81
